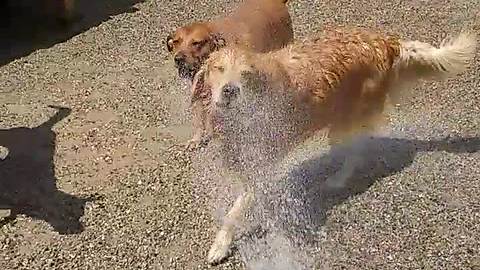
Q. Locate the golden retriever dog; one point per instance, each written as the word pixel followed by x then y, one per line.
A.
pixel 339 80
pixel 258 25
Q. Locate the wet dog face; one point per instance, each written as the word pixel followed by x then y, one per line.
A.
pixel 191 46
pixel 230 75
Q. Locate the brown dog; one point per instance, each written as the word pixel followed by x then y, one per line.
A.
pixel 257 25
pixel 339 80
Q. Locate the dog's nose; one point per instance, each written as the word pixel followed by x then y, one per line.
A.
pixel 179 58
pixel 230 90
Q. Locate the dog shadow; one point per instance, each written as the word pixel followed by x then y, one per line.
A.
pixel 306 199
pixel 27 178
pixel 25 26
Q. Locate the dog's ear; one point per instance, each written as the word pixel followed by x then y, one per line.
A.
pixel 198 85
pixel 218 41
pixel 169 42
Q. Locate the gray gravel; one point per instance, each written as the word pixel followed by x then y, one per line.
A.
pixel 127 198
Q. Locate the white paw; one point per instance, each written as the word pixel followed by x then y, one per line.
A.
pixel 193 144
pixel 220 247
pixel 4 213
pixel 3 152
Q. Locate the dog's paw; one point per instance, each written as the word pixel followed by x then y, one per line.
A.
pixel 325 134
pixel 220 248
pixel 193 144
pixel 5 213
pixel 3 152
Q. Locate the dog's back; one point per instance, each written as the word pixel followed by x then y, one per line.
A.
pixel 260 25
pixel 320 68
pixel 318 64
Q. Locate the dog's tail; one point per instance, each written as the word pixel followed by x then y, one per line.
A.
pixel 62 112
pixel 424 61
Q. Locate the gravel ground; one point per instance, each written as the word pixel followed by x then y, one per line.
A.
pixel 116 193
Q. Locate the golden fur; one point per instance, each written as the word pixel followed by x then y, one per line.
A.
pixel 314 69
pixel 339 80
pixel 257 25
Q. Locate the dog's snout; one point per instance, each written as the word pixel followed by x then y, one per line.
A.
pixel 230 89
pixel 179 58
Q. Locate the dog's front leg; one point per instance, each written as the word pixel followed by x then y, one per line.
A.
pixel 221 247
pixel 209 127
pixel 198 120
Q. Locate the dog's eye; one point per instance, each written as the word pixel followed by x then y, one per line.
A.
pixel 219 69
pixel 197 43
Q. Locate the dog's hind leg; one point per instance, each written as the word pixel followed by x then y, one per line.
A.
pixel 221 246
pixel 341 177
pixel 353 158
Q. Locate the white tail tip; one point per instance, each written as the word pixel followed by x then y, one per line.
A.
pixel 451 58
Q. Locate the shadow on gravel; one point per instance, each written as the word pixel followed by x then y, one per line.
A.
pixel 26 25
pixel 382 157
pixel 27 178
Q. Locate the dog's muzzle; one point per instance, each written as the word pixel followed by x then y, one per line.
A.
pixel 185 70
pixel 229 92
pixel 179 59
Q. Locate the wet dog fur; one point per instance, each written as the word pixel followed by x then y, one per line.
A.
pixel 257 25
pixel 339 80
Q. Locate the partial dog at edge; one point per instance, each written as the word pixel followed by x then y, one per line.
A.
pixel 63 9
pixel 340 81
pixel 257 25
